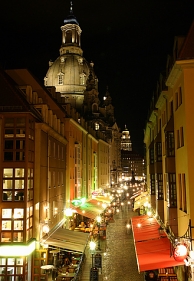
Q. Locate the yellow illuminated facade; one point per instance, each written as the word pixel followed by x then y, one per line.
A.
pixel 169 139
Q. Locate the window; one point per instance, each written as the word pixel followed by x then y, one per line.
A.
pixel 180 192
pixel 158 146
pixel 176 100
pixel 184 193
pixel 82 78
pixel 14 139
pixel 12 219
pixel 170 144
pixel 179 96
pixel 181 137
pixel 152 178
pixel 151 155
pixel 178 139
pixel 60 78
pixel 160 186
pixel 171 109
pixel 97 126
pixel 13 184
pixel 172 195
pixel 77 170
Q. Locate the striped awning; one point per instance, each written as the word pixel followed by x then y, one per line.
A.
pixel 68 239
pixel 140 200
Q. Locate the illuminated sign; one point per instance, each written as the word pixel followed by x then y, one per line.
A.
pixel 78 201
pixel 17 250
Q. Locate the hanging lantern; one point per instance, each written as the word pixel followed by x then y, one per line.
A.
pixel 180 252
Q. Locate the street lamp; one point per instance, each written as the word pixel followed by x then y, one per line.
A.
pixel 98 219
pixel 92 249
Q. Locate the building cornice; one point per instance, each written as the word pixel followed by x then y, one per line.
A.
pixel 177 70
pixel 161 99
pixel 47 129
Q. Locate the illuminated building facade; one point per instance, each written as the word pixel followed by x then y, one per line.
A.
pixel 131 161
pixel 56 146
pixel 33 175
pixel 169 141
pixel 76 87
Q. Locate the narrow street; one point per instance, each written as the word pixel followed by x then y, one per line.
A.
pixel 118 253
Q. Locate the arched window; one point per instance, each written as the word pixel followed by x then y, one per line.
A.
pixel 82 78
pixel 60 78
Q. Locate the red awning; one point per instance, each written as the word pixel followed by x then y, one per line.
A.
pixel 153 251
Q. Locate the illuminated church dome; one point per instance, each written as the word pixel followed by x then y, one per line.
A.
pixel 70 71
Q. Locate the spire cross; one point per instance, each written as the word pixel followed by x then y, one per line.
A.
pixel 71 7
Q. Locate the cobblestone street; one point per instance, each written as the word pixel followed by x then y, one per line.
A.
pixel 118 254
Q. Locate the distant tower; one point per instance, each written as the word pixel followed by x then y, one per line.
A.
pixel 126 143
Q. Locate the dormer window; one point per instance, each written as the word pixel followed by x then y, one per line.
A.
pixel 60 78
pixel 97 126
pixel 82 78
pixel 80 61
pixel 62 59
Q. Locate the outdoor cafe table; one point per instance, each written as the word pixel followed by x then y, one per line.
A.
pixel 64 276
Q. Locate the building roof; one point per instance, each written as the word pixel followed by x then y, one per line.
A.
pixel 187 51
pixel 71 19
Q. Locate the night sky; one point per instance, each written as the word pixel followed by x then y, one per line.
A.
pixel 128 41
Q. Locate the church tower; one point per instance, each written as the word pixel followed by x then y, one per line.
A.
pixel 69 73
pixel 126 143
